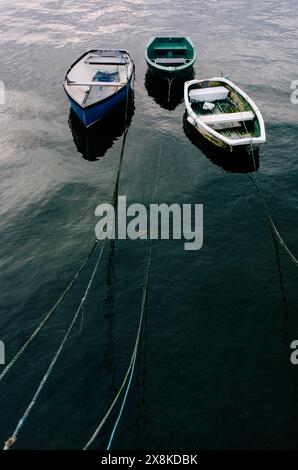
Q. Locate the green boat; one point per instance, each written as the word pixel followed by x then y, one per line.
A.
pixel 170 57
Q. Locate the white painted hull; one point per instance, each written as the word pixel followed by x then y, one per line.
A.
pixel 214 136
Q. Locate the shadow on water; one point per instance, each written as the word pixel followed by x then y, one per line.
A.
pixel 240 161
pixel 94 142
pixel 109 355
pixel 167 94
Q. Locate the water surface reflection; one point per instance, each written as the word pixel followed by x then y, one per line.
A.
pixel 94 142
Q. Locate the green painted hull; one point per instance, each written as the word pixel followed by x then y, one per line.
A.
pixel 169 74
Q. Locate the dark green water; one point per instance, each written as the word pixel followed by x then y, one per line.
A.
pixel 214 369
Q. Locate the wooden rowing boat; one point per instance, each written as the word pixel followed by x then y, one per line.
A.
pixel 170 57
pixel 223 114
pixel 97 82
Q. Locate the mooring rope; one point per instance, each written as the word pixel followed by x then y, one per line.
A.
pixel 115 194
pixel 9 442
pixel 270 220
pixel 129 373
pixel 144 299
pixel 130 370
pixel 170 81
pixel 75 277
pixel 136 348
pixel 43 382
pixel 48 315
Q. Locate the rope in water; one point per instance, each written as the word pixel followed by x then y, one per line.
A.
pixel 48 315
pixel 136 348
pixel 274 230
pixel 144 299
pixel 29 408
pixel 269 218
pixel 115 194
pixel 130 371
pixel 13 438
pixel 170 81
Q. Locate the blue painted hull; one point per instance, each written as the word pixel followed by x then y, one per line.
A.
pixel 94 113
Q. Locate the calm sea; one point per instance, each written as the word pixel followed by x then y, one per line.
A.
pixel 214 368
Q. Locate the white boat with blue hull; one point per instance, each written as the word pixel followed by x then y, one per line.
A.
pixel 97 82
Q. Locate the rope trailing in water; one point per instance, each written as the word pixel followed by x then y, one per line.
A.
pixel 170 81
pixel 144 299
pixel 115 194
pixel 272 224
pixel 269 218
pixel 28 410
pixel 136 348
pixel 282 243
pixel 130 371
pixel 9 442
pixel 47 315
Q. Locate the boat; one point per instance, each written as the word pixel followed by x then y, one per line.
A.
pixel 97 82
pixel 170 57
pixel 223 114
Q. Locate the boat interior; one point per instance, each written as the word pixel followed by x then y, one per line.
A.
pixel 98 66
pixel 223 109
pixel 170 51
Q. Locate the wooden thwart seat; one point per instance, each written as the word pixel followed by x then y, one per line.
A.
pixel 170 61
pixel 168 47
pixel 228 117
pixel 97 60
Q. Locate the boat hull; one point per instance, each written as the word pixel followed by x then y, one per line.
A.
pixel 220 143
pixel 168 74
pixel 241 162
pixel 97 111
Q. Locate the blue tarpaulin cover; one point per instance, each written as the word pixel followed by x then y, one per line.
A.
pixel 106 76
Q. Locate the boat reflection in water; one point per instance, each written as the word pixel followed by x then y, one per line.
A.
pixel 168 94
pixel 241 161
pixel 93 142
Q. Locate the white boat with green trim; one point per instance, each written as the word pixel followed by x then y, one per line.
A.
pixel 222 113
